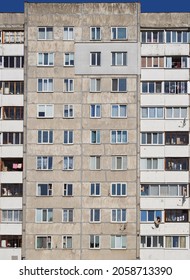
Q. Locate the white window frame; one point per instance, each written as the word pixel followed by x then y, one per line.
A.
pixel 181 115
pixel 69 108
pixel 95 162
pixel 95 85
pixel 44 163
pixel 119 58
pixel 97 137
pixel 68 85
pixel 152 137
pixel 95 215
pixel 118 215
pixel 152 164
pixel 95 111
pixel 172 242
pixel 68 33
pixel 97 33
pixel 11 215
pixel 118 189
pixel 119 84
pixel 152 112
pixel 154 240
pixel 48 189
pixel 69 60
pixel 115 33
pixel 165 190
pixel 42 59
pixel 119 114
pixel 45 137
pixel 67 215
pixel 95 59
pixel 68 137
pixel 0 37
pixel 45 111
pixel 47 241
pixel 94 241
pixel 46 85
pixel 48 34
pixel 119 136
pixel 68 163
pixel 44 215
pixel 115 163
pixel 68 189
pixel 95 189
pixel 118 241
pixel 67 242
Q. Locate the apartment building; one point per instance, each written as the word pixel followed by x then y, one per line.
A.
pixel 164 146
pixel 11 134
pixel 82 79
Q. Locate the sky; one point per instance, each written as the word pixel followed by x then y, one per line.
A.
pixel 146 5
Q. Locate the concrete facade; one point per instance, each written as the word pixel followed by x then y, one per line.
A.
pixel 109 218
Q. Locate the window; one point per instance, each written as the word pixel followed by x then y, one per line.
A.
pixel 44 189
pixel 68 163
pixel 10 241
pixel 177 37
pixel 95 33
pixel 0 37
pixel 119 58
pixel 11 189
pixel 118 33
pixel 69 59
pixel 12 87
pixel 118 111
pixel 119 162
pixel 67 242
pixel 118 242
pixel 45 59
pixel 152 113
pixel 68 189
pixel 176 242
pixel 176 215
pixel 13 112
pixel 67 215
pixel 12 61
pixel 119 136
pixel 43 242
pixel 95 189
pixel 95 163
pixel 45 33
pixel 151 87
pixel 118 215
pixel 68 33
pixel 150 215
pixel 119 85
pixel 118 189
pixel 176 112
pixel 69 85
pixel 152 138
pixel 176 164
pixel 95 136
pixel 165 190
pixel 94 215
pixel 152 241
pixel 152 61
pixel 95 111
pixel 95 85
pixel 176 62
pixel 44 163
pixel 153 36
pixel 152 163
pixel 68 136
pixel 12 37
pixel 45 136
pixel 175 87
pixel 45 110
pixel 13 138
pixel 95 58
pixel 68 111
pixel 176 138
pixel 44 215
pixel 11 216
pixel 45 85
pixel 11 164
pixel 94 241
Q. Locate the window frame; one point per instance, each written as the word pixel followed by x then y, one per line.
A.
pixel 67 245
pixel 95 163
pixel 95 59
pixel 68 85
pixel 69 59
pixel 70 33
pixel 118 111
pixel 118 215
pixel 49 136
pixel 93 241
pixel 68 189
pixel 46 85
pixel 115 162
pixel 119 191
pixel 116 239
pixel 97 137
pixel 45 33
pixel 117 60
pixel 70 111
pixel 67 215
pixel 47 114
pixel 44 215
pixel 42 57
pixel 68 163
pixel 117 85
pixel 68 137
pixel 95 215
pixel 119 134
pixel 117 37
pixel 97 33
pixel 95 189
pixel 96 87
pixel 48 241
pixel 95 111
pixel 49 189
pixel 40 166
